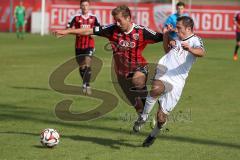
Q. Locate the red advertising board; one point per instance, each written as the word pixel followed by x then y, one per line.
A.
pixel 214 21
pixel 61 13
pixel 210 21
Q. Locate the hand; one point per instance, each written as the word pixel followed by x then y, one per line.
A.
pixel 169 27
pixel 60 33
pixel 185 46
pixel 172 43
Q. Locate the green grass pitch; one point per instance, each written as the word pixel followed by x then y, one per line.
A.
pixel 205 124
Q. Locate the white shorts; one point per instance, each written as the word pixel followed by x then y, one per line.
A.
pixel 173 90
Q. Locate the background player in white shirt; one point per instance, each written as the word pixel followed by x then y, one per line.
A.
pixel 170 76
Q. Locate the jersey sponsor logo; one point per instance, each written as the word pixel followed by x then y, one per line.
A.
pixel 136 36
pixel 85 26
pixel 127 44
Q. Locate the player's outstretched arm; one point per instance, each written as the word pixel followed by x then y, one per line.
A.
pixel 80 31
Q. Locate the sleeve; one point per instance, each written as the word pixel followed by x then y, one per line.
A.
pixel 96 22
pixel 151 36
pixel 104 31
pixel 198 43
pixel 71 22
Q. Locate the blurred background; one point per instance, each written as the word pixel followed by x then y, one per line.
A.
pixel 212 18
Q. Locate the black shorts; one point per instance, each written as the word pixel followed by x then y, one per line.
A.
pixel 81 53
pixel 143 69
pixel 238 36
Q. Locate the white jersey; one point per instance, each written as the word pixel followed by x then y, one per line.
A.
pixel 178 61
pixel 173 69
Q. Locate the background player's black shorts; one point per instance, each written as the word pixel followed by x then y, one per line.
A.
pixel 238 36
pixel 81 53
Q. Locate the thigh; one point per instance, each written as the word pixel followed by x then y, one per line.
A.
pixel 84 56
pixel 88 60
pixel 139 77
pixel 17 24
pixel 158 88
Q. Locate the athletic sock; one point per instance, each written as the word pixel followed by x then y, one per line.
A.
pixel 22 34
pixel 236 49
pixel 18 34
pixel 87 76
pixel 140 98
pixel 156 129
pixel 150 102
pixel 82 71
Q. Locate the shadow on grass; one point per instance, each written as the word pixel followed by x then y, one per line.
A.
pixel 31 88
pixel 9 112
pixel 113 143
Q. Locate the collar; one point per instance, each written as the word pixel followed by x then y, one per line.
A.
pixel 188 37
pixel 85 16
pixel 133 25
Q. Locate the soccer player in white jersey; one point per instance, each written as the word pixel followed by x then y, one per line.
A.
pixel 171 74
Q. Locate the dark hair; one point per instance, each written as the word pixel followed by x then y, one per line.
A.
pixel 180 4
pixel 122 9
pixel 84 1
pixel 186 21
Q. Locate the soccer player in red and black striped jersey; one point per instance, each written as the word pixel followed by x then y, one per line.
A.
pixel 84 45
pixel 237 22
pixel 128 40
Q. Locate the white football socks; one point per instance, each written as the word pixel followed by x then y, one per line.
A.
pixel 150 101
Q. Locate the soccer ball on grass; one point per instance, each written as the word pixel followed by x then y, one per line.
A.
pixel 49 137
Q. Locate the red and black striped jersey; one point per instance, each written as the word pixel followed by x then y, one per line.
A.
pixel 82 21
pixel 237 19
pixel 127 47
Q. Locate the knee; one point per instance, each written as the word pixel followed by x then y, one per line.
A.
pixel 156 90
pixel 161 118
pixel 155 93
pixel 138 83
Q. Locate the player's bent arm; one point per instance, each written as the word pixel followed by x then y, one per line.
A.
pixel 166 42
pixel 198 52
